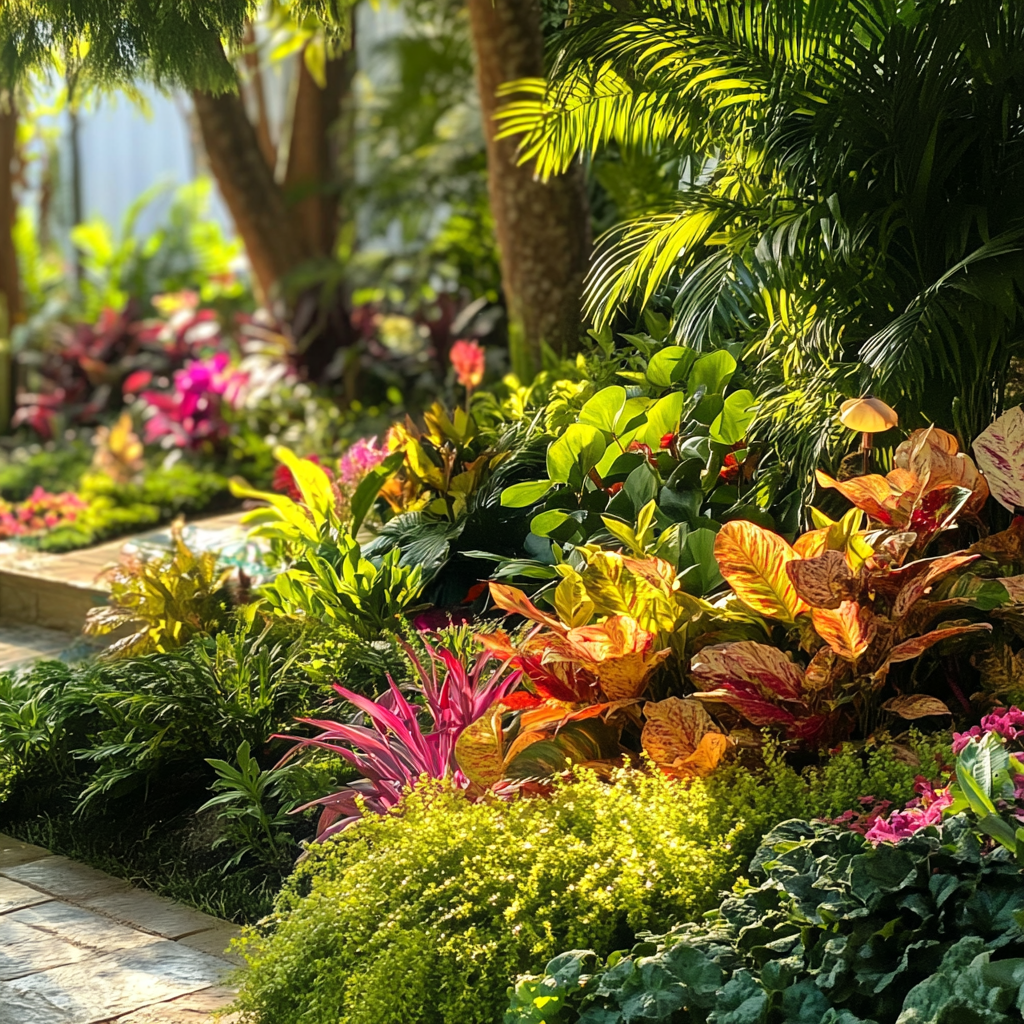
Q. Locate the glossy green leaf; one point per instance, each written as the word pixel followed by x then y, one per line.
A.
pixel 731 424
pixel 525 494
pixel 670 365
pixel 575 454
pixel 713 370
pixel 604 409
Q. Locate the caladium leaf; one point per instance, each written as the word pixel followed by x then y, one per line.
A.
pixel 915 705
pixel 753 561
pixel 848 629
pixel 999 449
pixel 824 581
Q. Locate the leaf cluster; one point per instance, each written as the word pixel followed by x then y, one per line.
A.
pixel 838 932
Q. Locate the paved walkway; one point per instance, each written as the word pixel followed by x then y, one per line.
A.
pixel 78 946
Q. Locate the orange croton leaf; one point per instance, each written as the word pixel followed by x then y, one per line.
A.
pixel 872 494
pixel 618 652
pixel 935 569
pixel 511 599
pixel 823 581
pixel 848 629
pixel 812 543
pixel 681 738
pixel 934 457
pixel 915 705
pixel 753 561
pixel 916 646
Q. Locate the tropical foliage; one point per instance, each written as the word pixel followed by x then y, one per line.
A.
pixel 846 208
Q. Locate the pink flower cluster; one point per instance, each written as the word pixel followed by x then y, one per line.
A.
pixel 191 413
pixel 40 511
pixel 924 810
pixel 361 457
pixel 1005 722
pixel 358 460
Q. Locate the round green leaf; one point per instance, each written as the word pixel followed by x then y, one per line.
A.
pixel 731 424
pixel 713 370
pixel 603 410
pixel 522 495
pixel 670 365
pixel 580 448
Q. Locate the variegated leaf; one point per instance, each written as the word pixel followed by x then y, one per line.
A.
pixel 674 728
pixel 915 705
pixel 915 647
pixel 511 599
pixel 872 494
pixel 765 668
pixel 753 561
pixel 479 749
pixel 704 760
pixel 822 581
pixel 848 629
pixel 1014 587
pixel 999 449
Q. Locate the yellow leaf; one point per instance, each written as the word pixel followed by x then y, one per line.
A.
pixel 753 561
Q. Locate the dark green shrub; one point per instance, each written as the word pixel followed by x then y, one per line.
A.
pixel 840 932
pixel 424 917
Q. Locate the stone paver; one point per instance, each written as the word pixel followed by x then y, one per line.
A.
pixel 14 852
pixel 152 913
pixel 25 950
pixel 80 947
pixel 191 1009
pixel 215 941
pixel 106 987
pixel 14 895
pixel 66 879
pixel 81 927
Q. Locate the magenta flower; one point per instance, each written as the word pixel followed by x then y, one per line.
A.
pixel 1005 722
pixel 924 810
pixel 191 413
pixel 361 457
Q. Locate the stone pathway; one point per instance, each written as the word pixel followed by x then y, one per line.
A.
pixel 78 946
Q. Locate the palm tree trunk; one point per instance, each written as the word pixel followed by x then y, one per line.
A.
pixel 311 180
pixel 543 229
pixel 257 205
pixel 10 282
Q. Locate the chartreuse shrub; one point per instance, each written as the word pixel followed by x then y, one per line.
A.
pixel 838 932
pixel 425 916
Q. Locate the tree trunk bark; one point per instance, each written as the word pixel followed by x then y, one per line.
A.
pixel 268 228
pixel 311 185
pixel 543 229
pixel 10 281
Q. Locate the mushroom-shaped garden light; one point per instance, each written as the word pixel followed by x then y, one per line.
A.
pixel 868 416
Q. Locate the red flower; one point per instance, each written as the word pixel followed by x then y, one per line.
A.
pixel 667 440
pixel 614 488
pixel 136 381
pixel 284 483
pixel 468 361
pixel 730 470
pixel 645 450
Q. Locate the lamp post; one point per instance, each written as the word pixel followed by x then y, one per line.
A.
pixel 868 416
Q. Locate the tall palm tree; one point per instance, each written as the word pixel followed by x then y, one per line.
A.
pixel 851 200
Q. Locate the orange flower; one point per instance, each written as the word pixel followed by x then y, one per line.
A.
pixel 468 361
